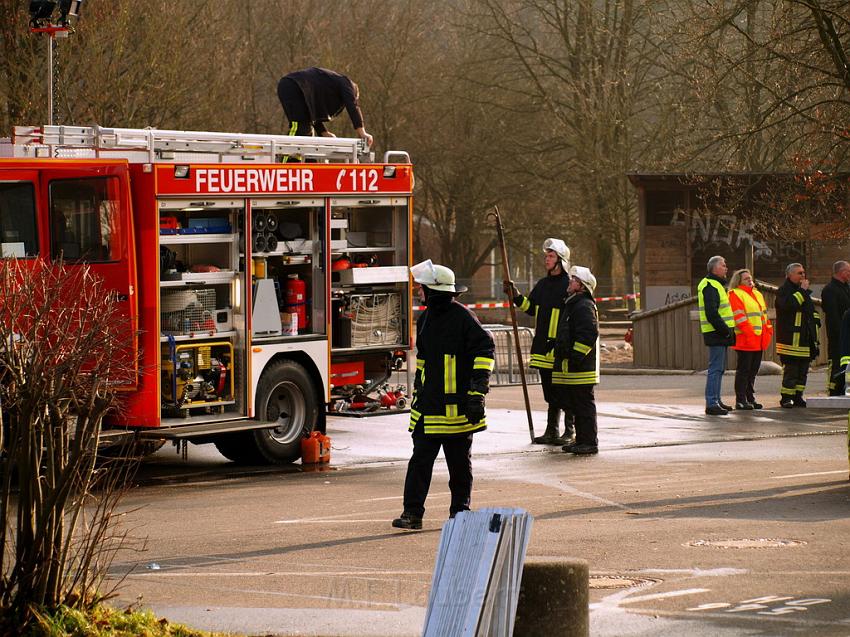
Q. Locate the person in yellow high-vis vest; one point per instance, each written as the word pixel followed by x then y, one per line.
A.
pixel 718 331
pixel 797 326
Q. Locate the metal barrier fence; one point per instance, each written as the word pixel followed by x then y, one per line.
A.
pixel 506 371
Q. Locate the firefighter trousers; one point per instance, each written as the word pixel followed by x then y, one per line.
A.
pixel 795 372
pixel 457 450
pixel 554 396
pixel 834 376
pixel 581 402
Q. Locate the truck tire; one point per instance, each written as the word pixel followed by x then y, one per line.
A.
pixel 285 395
pixel 238 447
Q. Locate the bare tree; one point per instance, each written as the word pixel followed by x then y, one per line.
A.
pixel 63 356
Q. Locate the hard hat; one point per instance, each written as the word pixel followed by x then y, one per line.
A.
pixel 560 248
pixel 436 277
pixel 584 275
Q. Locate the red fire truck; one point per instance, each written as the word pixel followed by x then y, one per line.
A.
pixel 263 276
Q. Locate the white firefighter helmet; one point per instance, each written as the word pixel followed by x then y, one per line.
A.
pixel 436 277
pixel 584 275
pixel 560 248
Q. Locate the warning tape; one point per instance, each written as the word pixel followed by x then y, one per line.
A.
pixel 495 306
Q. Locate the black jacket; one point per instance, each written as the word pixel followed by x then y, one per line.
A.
pixel 454 358
pixel 544 303
pixel 576 345
pixel 326 93
pixel 836 301
pixel 722 334
pixel 797 322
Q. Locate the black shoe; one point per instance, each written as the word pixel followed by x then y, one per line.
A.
pixel 787 403
pixel 408 521
pixel 584 450
pixel 568 448
pixel 547 439
pixel 799 402
pixel 756 405
pixel 716 410
pixel 724 406
pixel 743 406
pixel 568 438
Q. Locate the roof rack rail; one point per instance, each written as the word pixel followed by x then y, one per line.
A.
pixel 152 145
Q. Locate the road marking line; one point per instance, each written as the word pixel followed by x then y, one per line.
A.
pixel 646 598
pixel 806 475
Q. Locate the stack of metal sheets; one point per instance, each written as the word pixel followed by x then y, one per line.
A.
pixel 476 583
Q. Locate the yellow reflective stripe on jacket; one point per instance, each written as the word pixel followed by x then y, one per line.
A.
pixel 793 350
pixel 525 304
pixel 553 322
pixel 542 361
pixel 482 362
pixel 439 428
pixel 845 360
pixel 449 374
pixel 724 310
pixel 581 348
pixel 798 319
pixel 420 363
pixel 452 411
pixel 575 378
pixel 799 296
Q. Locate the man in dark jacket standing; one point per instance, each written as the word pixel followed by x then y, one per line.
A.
pixel 545 303
pixel 454 359
pixel 797 325
pixel 836 301
pixel 576 367
pixel 718 331
pixel 314 96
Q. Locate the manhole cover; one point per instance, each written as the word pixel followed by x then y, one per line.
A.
pixel 747 543
pixel 619 581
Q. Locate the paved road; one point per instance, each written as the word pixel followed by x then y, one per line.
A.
pixel 660 514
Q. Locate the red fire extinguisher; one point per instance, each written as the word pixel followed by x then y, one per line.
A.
pixel 296 299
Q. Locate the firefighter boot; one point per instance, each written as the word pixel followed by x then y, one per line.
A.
pixel 550 436
pixel 408 521
pixel 569 435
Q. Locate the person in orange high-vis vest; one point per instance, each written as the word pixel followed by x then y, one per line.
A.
pixel 753 332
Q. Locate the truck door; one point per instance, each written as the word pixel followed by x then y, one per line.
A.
pixel 90 222
pixel 18 222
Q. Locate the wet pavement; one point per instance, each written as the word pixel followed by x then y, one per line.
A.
pixel 691 525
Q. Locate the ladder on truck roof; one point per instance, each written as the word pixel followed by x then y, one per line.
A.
pixel 151 145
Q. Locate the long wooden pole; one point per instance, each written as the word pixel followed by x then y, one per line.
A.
pixel 506 269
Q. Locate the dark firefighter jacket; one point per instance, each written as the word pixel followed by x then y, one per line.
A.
pixel 835 299
pixel 545 304
pixel 577 343
pixel 454 359
pixel 797 322
pixel 326 93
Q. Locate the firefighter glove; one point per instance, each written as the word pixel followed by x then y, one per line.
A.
pixel 510 289
pixel 815 352
pixel 475 408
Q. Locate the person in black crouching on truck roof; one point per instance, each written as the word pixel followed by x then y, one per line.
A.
pixel 576 367
pixel 313 96
pixel 545 303
pixel 454 359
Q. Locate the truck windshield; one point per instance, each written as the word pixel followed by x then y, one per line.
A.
pixel 17 220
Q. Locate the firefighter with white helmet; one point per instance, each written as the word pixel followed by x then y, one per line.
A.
pixel 454 359
pixel 545 303
pixel 576 367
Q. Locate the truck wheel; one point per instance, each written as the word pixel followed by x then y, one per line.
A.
pixel 237 447
pixel 285 396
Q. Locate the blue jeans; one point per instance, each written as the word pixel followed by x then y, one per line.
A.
pixel 714 375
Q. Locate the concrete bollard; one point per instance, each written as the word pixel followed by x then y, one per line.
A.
pixel 553 599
